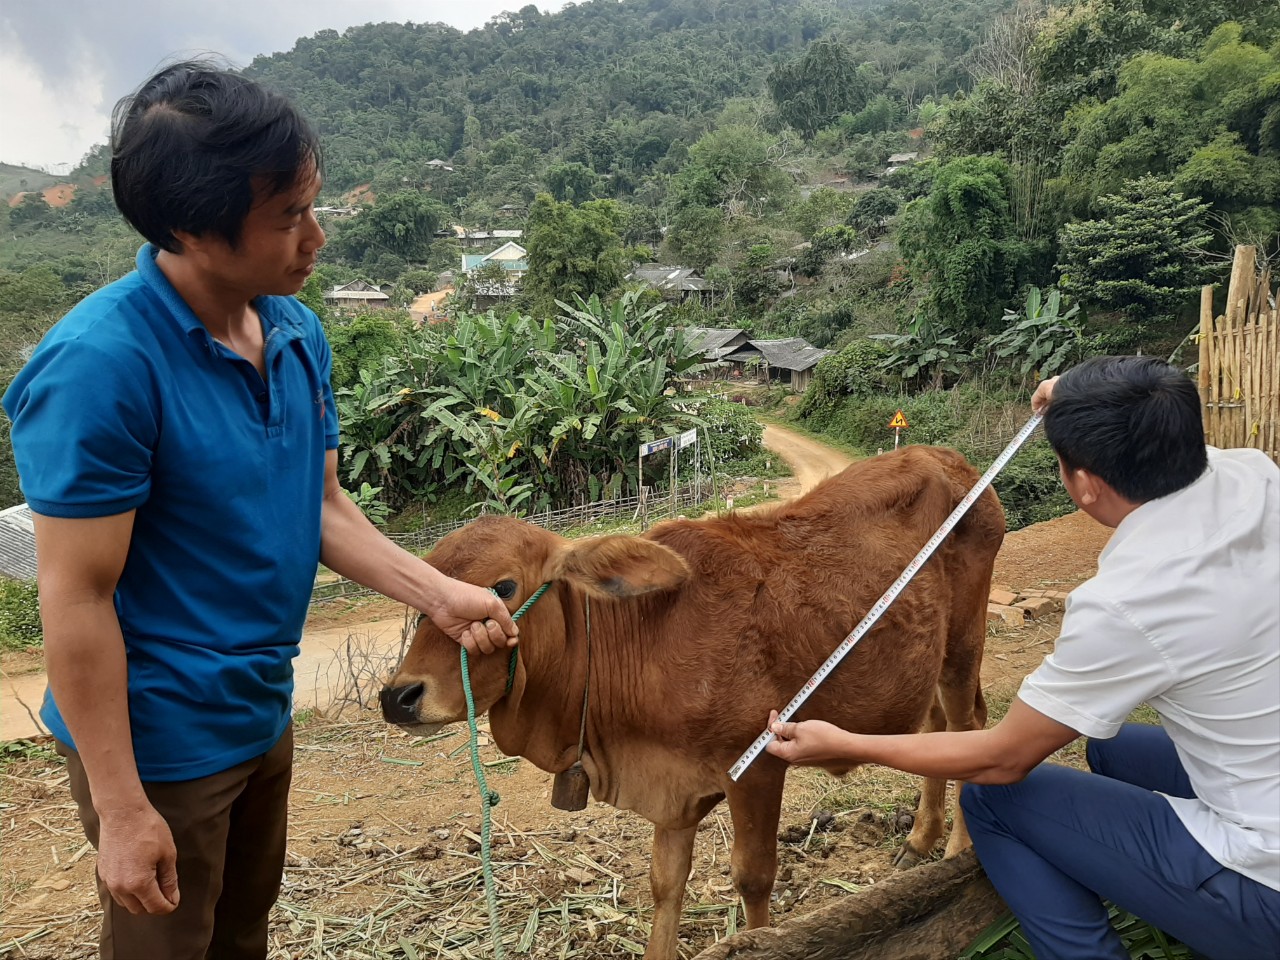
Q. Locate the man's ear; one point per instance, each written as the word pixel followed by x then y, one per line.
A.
pixel 617 566
pixel 1089 487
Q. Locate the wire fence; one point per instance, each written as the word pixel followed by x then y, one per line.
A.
pixel 649 507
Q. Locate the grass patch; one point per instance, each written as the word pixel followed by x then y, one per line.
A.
pixel 20 625
pixel 13 750
pixel 1004 940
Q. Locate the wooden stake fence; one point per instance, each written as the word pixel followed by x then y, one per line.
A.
pixel 1240 361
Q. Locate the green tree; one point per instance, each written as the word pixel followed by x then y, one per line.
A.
pixel 872 209
pixel 32 209
pixel 401 224
pixel 693 238
pixel 361 343
pixel 573 251
pixel 1142 258
pixel 960 244
pixel 573 182
pixel 812 91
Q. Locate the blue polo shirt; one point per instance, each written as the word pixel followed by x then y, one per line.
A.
pixel 129 404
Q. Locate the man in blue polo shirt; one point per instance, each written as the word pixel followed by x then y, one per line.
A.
pixel 176 439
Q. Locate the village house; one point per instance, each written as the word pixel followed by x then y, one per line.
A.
pixel 713 344
pixel 512 258
pixel 790 361
pixel 899 160
pixel 356 296
pixel 674 284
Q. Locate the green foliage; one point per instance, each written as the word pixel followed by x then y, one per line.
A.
pixel 11 750
pixel 573 182
pixel 928 353
pixel 694 237
pixel 1168 107
pixel 854 371
pixel 1042 339
pixel 362 343
pixel 20 625
pixel 872 209
pixel 1029 486
pixel 523 414
pixel 366 498
pixel 1142 258
pixel 402 224
pixel 969 420
pixel 36 290
pixel 879 116
pixel 822 208
pixel 574 251
pixel 31 209
pixel 731 432
pixel 810 92
pixel 960 240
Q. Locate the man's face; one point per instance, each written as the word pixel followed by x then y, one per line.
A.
pixel 278 243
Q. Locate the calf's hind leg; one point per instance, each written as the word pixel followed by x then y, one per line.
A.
pixel 932 808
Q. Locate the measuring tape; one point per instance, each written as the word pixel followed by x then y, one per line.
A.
pixel 881 605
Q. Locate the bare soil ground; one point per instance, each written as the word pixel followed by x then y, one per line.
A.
pixel 383 851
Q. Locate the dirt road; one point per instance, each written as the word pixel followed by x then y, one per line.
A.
pixel 810 461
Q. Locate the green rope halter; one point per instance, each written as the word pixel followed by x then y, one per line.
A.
pixel 489 798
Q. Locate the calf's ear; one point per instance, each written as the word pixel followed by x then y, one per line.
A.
pixel 615 567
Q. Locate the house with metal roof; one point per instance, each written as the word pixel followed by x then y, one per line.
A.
pixel 357 295
pixel 512 258
pixel 17 543
pixel 790 361
pixel 676 284
pixel 714 344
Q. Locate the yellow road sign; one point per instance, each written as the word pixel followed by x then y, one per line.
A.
pixel 899 422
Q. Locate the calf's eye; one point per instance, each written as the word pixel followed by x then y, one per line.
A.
pixel 505 589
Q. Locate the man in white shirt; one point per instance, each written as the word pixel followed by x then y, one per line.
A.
pixel 1178 823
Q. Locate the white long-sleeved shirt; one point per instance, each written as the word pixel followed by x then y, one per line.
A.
pixel 1184 614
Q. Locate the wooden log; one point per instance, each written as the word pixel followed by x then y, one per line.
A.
pixel 931 912
pixel 1242 279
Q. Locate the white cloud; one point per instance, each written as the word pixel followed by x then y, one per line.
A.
pixel 60 73
pixel 43 124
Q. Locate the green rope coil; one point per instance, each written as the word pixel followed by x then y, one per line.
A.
pixel 488 798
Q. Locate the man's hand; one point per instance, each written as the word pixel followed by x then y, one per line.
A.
pixel 473 616
pixel 138 861
pixel 1044 393
pixel 809 741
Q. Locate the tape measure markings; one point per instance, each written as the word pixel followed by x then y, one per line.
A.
pixel 881 605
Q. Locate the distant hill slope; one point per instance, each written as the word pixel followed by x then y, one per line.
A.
pixel 15 179
pixel 617 86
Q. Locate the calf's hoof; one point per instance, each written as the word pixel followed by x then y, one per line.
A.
pixel 907 857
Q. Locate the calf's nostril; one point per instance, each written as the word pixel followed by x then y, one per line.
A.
pixel 400 704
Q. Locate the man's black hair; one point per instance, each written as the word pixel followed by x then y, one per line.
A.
pixel 191 145
pixel 1133 422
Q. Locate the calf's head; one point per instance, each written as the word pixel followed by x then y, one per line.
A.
pixel 514 559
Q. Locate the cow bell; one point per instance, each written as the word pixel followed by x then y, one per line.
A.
pixel 570 788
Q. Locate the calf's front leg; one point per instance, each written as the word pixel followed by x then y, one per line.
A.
pixel 672 858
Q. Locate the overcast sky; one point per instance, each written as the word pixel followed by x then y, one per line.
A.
pixel 64 65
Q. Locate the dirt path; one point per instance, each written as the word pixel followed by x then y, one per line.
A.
pixel 810 461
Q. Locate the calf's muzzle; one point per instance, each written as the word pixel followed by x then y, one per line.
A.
pixel 400 704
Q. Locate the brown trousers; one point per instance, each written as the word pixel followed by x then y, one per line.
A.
pixel 230 831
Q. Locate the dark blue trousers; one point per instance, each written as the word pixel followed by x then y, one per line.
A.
pixel 1061 841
